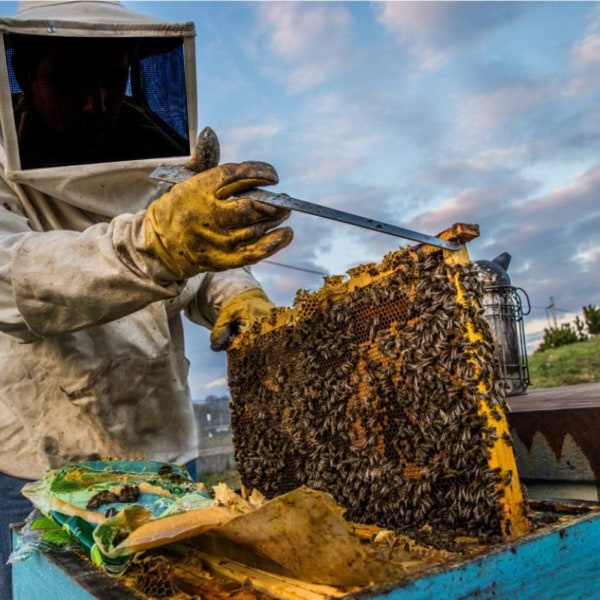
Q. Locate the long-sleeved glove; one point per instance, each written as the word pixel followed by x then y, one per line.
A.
pixel 194 228
pixel 236 314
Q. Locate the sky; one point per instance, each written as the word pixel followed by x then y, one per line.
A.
pixel 419 114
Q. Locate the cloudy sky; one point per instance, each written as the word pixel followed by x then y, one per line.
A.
pixel 420 114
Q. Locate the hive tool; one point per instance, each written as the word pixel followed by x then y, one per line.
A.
pixel 177 174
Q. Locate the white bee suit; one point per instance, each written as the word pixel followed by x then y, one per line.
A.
pixel 91 339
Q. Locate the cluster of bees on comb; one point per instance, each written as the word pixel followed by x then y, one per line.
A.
pixel 383 391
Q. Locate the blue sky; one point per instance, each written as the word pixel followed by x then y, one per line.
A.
pixel 421 114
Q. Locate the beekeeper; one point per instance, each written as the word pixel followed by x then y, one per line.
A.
pixel 98 260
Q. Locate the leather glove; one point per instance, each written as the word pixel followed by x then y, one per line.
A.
pixel 193 228
pixel 236 314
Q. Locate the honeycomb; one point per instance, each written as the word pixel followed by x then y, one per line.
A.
pixel 382 390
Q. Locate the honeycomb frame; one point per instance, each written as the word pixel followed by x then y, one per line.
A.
pixel 382 390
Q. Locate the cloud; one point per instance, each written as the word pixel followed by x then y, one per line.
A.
pixel 492 174
pixel 587 255
pixel 435 31
pixel 556 236
pixel 585 60
pixel 220 383
pixel 240 141
pixel 483 113
pixel 571 203
pixel 491 204
pixel 306 43
pixel 586 53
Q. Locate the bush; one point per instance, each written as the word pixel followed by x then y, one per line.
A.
pixel 555 337
pixel 591 316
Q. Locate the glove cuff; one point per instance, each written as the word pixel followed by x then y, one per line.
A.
pixel 161 246
pixel 251 295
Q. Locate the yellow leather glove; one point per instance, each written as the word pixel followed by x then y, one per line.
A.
pixel 194 228
pixel 236 314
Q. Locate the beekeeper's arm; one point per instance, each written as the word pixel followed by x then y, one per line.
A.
pixel 59 281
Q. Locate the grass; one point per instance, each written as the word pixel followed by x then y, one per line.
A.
pixel 567 365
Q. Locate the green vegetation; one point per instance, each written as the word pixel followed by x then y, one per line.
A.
pixel 568 354
pixel 569 364
pixel 571 333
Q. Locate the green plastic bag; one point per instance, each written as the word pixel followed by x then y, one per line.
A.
pixel 113 496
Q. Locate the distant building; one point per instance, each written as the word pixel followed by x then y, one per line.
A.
pixel 213 417
pixel 215 447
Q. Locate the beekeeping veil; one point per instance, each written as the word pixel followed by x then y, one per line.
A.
pixel 156 120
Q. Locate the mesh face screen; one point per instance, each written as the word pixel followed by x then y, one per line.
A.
pixel 152 121
pixel 383 394
pixel 162 89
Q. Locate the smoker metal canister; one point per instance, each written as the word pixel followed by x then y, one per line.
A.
pixel 503 310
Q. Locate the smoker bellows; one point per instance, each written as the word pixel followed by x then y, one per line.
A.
pixel 381 389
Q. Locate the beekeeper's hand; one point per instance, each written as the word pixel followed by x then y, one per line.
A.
pixel 236 314
pixel 194 228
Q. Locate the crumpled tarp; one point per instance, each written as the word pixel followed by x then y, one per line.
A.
pixel 302 533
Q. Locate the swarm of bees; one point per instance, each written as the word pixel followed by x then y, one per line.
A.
pixel 381 390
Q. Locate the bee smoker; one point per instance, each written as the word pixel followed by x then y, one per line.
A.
pixel 503 310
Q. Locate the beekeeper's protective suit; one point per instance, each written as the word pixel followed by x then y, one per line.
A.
pixel 97 260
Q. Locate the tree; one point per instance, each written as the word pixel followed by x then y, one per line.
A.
pixel 591 316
